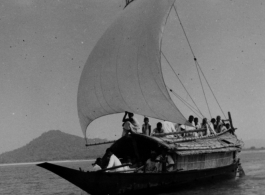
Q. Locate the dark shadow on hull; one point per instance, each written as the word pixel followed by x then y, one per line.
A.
pixel 140 183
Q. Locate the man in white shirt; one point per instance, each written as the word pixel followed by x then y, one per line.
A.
pixel 211 126
pixel 169 128
pixel 113 161
pixel 197 126
pixel 165 162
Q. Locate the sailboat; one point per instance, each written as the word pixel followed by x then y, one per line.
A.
pixel 123 74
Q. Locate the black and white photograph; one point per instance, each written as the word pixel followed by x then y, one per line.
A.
pixel 119 97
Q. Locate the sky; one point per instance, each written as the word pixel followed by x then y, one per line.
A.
pixel 44 45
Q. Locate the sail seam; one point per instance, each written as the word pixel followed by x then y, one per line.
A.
pixel 160 66
pixel 181 83
pixel 197 64
pixel 157 115
pixel 185 102
pixel 154 77
pixel 97 94
pixel 103 93
pixel 118 83
pixel 160 49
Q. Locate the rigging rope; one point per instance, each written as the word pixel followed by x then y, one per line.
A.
pixel 203 90
pixel 194 110
pixel 181 82
pixel 198 66
pixel 211 91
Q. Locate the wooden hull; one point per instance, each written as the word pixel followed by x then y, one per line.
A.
pixel 120 183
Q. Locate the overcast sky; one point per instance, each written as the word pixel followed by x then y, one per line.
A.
pixel 44 45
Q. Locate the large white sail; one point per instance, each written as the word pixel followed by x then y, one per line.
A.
pixel 123 72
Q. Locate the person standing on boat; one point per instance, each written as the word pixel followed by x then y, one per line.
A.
pixel 211 126
pixel 158 129
pixel 130 123
pixel 204 125
pixel 207 126
pixel 219 124
pixel 146 128
pixel 197 126
pixel 189 125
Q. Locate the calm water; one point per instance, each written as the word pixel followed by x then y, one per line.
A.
pixel 32 180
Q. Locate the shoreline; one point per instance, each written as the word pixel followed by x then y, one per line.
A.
pixel 34 163
pixel 89 160
pixel 252 151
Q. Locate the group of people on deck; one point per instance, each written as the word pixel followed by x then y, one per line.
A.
pixel 158 161
pixel 162 162
pixel 214 126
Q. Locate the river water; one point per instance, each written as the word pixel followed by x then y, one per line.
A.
pixel 28 179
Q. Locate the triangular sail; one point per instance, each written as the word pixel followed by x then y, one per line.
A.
pixel 123 72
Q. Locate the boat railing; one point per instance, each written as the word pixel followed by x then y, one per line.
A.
pixel 101 143
pixel 180 132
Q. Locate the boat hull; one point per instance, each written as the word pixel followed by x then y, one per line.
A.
pixel 121 183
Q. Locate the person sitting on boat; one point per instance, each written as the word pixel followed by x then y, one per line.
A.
pixel 211 126
pixel 190 121
pixel 130 123
pixel 158 129
pixel 189 126
pixel 146 128
pixel 97 164
pixel 113 161
pixel 178 129
pixel 169 128
pixel 151 164
pixel 165 162
pixel 219 124
pixel 212 123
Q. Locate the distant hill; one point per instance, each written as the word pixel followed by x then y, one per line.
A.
pixel 257 143
pixel 55 145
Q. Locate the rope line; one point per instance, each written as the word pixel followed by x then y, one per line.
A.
pixel 212 91
pixel 195 59
pixel 184 33
pixel 194 110
pixel 203 90
pixel 181 82
pixel 198 66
